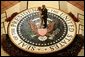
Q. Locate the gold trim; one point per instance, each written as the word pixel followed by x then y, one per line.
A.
pixel 42 52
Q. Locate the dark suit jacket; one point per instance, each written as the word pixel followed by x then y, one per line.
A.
pixel 44 13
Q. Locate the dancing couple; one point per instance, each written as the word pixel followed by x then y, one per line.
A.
pixel 43 16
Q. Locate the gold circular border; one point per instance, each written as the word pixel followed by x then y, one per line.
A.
pixel 38 52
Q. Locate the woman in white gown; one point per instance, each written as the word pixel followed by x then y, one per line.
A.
pixel 40 15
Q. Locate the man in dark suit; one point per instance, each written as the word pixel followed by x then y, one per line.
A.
pixel 44 15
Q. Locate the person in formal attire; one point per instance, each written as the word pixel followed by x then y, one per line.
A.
pixel 44 15
pixel 40 16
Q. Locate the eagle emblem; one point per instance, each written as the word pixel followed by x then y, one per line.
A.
pixel 41 32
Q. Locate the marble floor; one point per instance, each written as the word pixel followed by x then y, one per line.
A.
pixel 3 53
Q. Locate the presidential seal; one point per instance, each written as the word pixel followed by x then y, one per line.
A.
pixel 26 33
